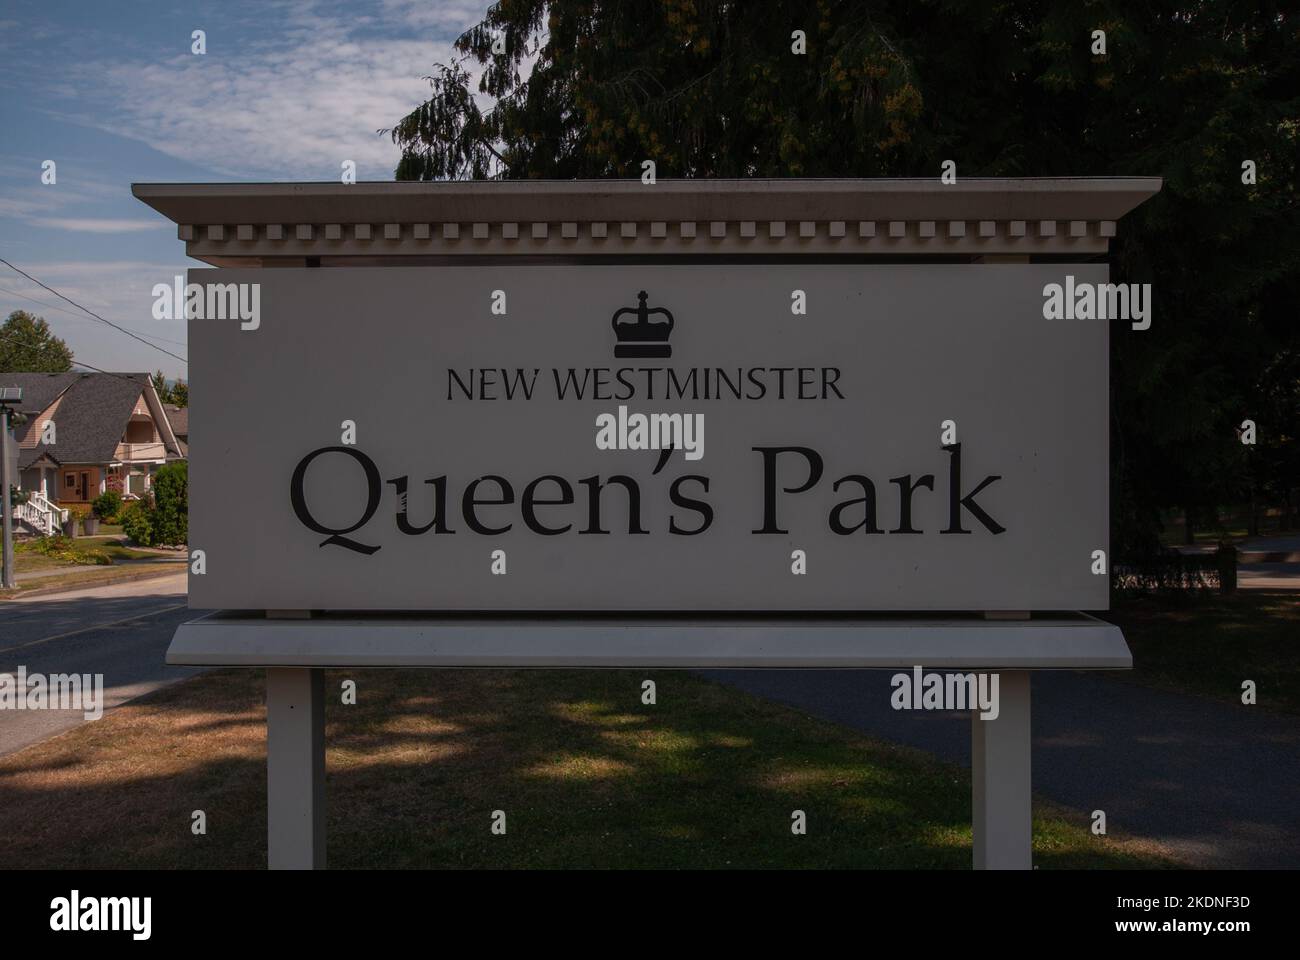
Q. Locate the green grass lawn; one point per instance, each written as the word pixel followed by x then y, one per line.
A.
pixel 116 546
pixel 31 555
pixel 587 775
pixel 55 561
pixel 26 561
pixel 1232 523
pixel 1209 646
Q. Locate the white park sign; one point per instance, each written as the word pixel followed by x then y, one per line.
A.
pixel 832 423
pixel 652 437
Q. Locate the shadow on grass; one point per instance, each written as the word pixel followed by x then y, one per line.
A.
pixel 586 774
pixel 1209 645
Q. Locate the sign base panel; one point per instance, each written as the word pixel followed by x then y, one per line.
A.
pixel 1059 641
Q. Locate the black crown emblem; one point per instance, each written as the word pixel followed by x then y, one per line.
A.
pixel 642 337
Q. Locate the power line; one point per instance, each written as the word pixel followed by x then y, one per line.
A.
pixel 77 363
pixel 55 306
pixel 133 336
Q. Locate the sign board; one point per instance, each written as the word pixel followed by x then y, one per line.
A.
pixel 667 437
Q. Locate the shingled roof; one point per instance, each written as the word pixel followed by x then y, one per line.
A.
pixel 179 418
pixel 39 389
pixel 91 418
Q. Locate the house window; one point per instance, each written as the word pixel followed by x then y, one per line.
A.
pixel 69 480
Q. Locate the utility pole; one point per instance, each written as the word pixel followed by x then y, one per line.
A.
pixel 8 396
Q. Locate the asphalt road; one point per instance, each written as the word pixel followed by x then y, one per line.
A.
pixel 1218 783
pixel 120 630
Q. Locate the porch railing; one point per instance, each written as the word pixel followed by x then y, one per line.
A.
pixel 42 515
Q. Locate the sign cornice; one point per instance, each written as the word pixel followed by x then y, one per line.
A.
pixel 243 224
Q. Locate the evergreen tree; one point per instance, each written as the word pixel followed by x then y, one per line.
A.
pixel 1184 91
pixel 27 345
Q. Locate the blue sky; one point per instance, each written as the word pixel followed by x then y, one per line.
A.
pixel 110 91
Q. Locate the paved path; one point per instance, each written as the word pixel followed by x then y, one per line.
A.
pixel 1218 783
pixel 1269 576
pixel 1287 541
pixel 1284 547
pixel 120 630
pixel 1274 543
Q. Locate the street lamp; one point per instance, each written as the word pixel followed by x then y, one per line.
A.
pixel 9 397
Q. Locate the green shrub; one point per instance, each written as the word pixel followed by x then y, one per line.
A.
pixel 137 523
pixel 161 520
pixel 107 506
pixel 171 505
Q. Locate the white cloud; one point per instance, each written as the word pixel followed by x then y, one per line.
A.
pixel 97 225
pixel 24 197
pixel 458 15
pixel 294 101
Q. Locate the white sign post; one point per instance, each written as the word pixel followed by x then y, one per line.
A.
pixel 745 424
